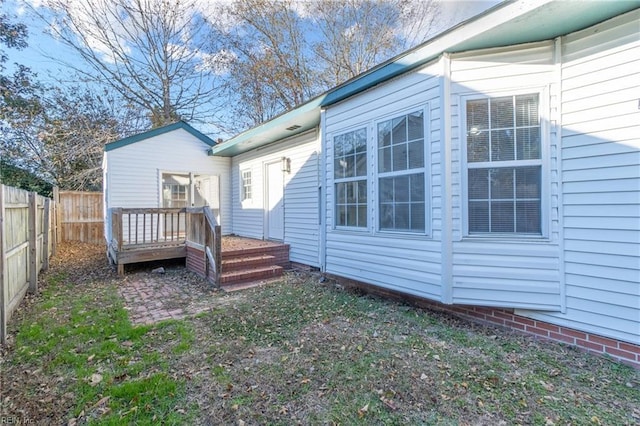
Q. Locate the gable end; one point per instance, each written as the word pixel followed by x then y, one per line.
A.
pixel 156 132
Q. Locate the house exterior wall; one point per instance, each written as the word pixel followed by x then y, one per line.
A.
pixel 600 151
pixel 406 262
pixel 133 171
pixel 301 194
pixel 512 270
pixel 583 272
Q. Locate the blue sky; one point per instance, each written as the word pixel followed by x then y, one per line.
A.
pixel 45 54
pixel 38 55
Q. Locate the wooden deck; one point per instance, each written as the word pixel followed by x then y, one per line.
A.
pixel 143 235
pixel 146 234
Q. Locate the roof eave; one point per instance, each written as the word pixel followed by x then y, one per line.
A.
pixel 157 132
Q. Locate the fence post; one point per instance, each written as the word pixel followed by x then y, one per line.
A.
pixel 3 291
pixel 33 242
pixel 46 219
pixel 58 216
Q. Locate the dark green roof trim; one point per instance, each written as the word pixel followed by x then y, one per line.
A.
pixel 159 131
pixel 307 116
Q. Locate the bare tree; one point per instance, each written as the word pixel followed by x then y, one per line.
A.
pixel 269 70
pixel 152 52
pixel 356 35
pixel 63 141
pixel 283 52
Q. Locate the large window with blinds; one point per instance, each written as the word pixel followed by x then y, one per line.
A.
pixel 504 165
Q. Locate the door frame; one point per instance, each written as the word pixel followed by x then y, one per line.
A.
pixel 266 209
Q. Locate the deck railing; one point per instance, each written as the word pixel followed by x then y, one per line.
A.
pixel 204 230
pixel 163 231
pixel 137 228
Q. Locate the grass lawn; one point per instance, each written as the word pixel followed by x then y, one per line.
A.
pixel 295 352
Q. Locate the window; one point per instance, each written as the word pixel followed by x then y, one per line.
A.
pixel 350 178
pixel 401 173
pixel 504 165
pixel 246 184
pixel 175 190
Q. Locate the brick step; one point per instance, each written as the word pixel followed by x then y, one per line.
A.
pixel 279 252
pixel 247 262
pixel 250 274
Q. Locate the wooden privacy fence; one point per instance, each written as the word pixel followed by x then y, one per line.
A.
pixel 27 240
pixel 81 216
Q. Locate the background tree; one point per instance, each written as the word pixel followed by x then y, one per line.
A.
pixel 19 103
pixel 283 52
pixel 64 142
pixel 268 67
pixel 151 52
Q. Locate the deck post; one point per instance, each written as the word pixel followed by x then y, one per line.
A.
pixel 217 255
pixel 116 231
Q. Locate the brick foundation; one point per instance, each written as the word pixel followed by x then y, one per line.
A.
pixel 624 352
pixel 195 260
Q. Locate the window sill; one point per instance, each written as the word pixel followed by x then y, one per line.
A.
pixel 509 239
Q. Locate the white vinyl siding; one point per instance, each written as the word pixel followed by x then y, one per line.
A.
pixel 601 183
pixel 134 171
pixel 301 217
pixel 505 268
pixel 404 261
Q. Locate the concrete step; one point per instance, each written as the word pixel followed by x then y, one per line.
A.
pixel 250 274
pixel 247 262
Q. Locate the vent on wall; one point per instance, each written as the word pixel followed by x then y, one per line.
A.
pixel 294 127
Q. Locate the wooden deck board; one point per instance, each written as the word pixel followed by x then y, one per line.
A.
pixel 132 253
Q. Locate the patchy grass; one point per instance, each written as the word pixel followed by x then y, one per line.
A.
pixel 295 352
pixel 106 368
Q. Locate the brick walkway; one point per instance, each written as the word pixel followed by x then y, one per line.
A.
pixel 151 298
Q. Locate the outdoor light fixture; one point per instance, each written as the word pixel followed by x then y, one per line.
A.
pixel 286 164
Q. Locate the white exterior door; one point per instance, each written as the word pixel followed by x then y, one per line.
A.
pixel 207 193
pixel 274 191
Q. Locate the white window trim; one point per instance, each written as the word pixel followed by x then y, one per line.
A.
pixel 367 178
pixel 427 171
pixel 244 200
pixel 161 173
pixel 545 141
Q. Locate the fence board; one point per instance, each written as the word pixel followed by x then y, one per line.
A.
pixel 24 249
pixel 81 216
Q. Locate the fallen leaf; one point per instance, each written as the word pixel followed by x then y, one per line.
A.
pixel 389 403
pixel 363 411
pixel 547 386
pixel 95 379
pixel 102 401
